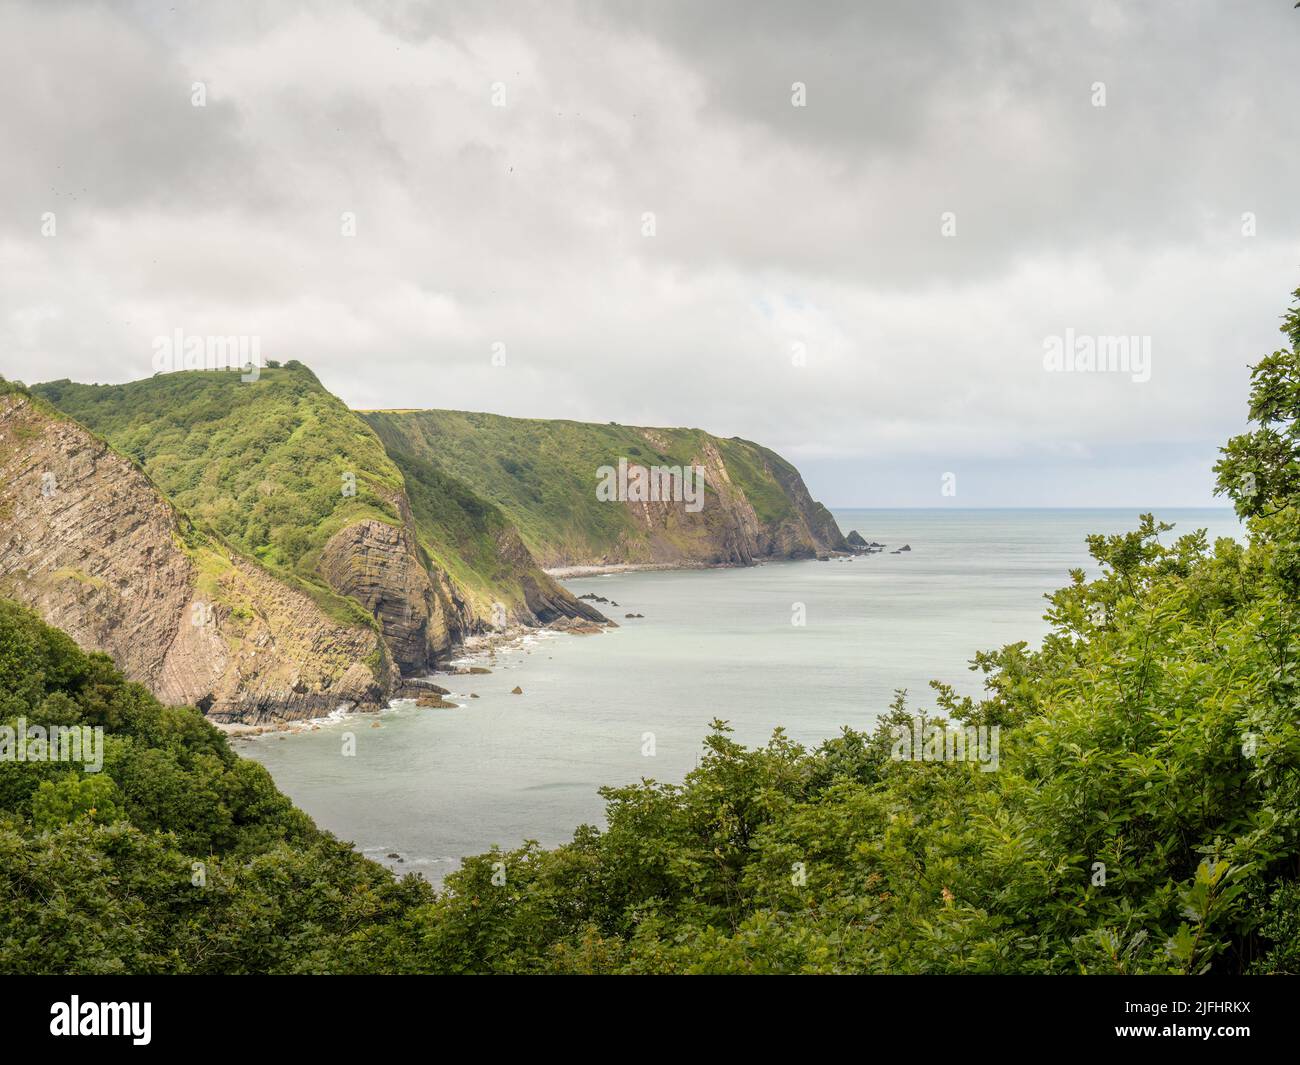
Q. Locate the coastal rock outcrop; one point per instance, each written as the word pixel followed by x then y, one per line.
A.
pixel 90 543
pixel 754 505
pixel 266 553
pixel 376 563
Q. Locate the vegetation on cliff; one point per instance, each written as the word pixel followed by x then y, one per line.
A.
pixel 93 544
pixel 178 856
pixel 277 466
pixel 542 474
pixel 1144 816
pixel 274 466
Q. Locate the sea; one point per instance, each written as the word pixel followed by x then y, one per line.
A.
pixel 809 647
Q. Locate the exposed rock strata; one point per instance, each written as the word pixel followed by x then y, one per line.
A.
pixel 726 530
pixel 86 540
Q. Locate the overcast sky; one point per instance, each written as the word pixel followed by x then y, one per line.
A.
pixel 782 234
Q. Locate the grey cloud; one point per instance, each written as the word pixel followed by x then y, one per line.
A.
pixel 775 225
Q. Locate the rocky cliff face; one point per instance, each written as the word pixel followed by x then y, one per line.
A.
pixel 545 601
pixel 810 529
pixel 435 534
pixel 378 565
pixel 86 540
pixel 727 529
pixel 420 610
pixel 724 531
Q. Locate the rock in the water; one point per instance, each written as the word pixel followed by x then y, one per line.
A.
pixel 855 539
pixel 437 702
pixel 577 626
pixel 517 690
pixel 419 689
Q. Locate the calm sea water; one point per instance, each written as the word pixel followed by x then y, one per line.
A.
pixel 435 785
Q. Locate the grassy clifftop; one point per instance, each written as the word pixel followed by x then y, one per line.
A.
pixel 275 466
pixel 543 475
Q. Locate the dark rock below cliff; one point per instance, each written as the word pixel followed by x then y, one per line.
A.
pixel 551 603
pixel 580 626
pixel 415 688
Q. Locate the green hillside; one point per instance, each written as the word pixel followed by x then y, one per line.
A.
pixel 1141 813
pixel 267 465
pixel 467 537
pixel 178 856
pixel 542 474
pixel 278 465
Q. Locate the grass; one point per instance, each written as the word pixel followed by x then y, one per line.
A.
pixel 272 467
pixel 542 473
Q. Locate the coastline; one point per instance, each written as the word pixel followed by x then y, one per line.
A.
pixel 479 650
pixel 561 573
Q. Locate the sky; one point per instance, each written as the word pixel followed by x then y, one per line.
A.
pixel 852 232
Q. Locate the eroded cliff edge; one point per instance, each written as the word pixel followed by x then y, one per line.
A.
pixel 315 580
pixel 91 544
pixel 543 476
pixel 262 551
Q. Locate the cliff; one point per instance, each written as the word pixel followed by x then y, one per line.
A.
pixel 259 550
pixel 91 544
pixel 543 476
pixel 303 492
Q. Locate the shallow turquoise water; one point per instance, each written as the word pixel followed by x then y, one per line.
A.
pixel 434 785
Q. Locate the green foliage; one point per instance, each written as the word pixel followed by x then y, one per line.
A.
pixel 178 856
pixel 1281 928
pixel 260 463
pixel 542 473
pixel 464 535
pixel 73 797
pixel 1260 470
pixel 1143 817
